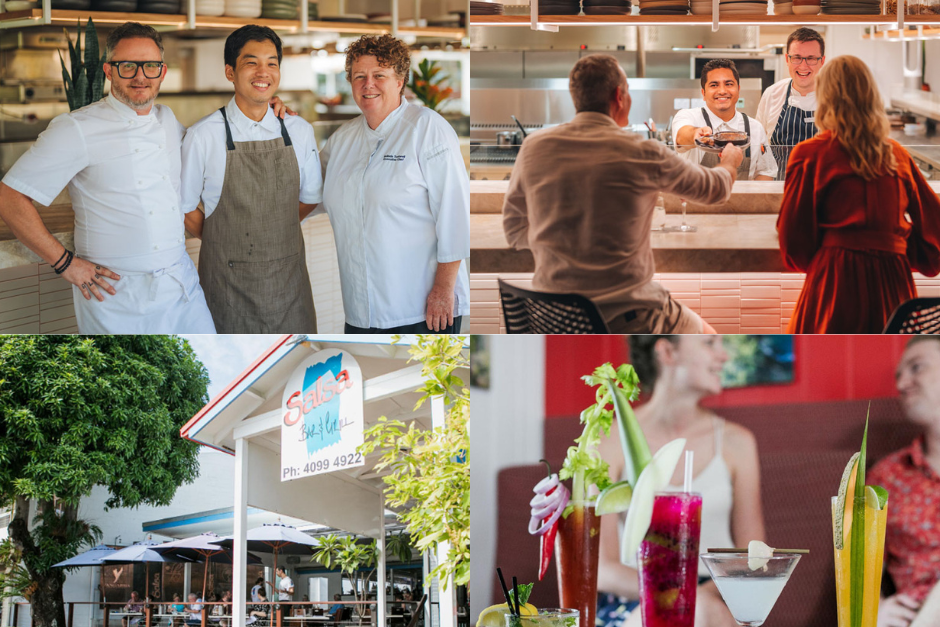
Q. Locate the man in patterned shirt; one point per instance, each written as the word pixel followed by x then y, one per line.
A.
pixel 912 478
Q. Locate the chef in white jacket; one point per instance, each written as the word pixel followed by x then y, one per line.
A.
pixel 397 194
pixel 120 158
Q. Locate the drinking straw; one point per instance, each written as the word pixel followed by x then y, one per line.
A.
pixel 515 595
pixel 502 582
pixel 687 484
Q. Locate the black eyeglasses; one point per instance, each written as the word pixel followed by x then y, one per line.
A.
pixel 128 69
pixel 810 61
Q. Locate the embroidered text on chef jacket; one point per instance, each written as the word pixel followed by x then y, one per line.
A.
pixel 398 198
pixel 204 154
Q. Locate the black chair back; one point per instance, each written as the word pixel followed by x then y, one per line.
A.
pixel 916 316
pixel 526 311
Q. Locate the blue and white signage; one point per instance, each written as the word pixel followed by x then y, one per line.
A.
pixel 322 424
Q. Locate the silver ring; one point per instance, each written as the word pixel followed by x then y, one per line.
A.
pixel 83 286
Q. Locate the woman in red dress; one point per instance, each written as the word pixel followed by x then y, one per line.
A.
pixel 857 215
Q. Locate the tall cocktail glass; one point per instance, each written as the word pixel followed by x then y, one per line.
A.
pixel 875 521
pixel 750 593
pixel 667 560
pixel 577 549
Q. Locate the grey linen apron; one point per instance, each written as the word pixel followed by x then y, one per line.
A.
pixel 252 264
pixel 710 160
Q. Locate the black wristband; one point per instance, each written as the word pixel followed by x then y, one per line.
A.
pixel 68 262
pixel 65 251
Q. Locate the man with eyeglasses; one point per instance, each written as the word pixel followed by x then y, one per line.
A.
pixel 120 158
pixel 788 107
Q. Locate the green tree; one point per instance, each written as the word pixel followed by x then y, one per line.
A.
pixel 79 412
pixel 357 559
pixel 429 478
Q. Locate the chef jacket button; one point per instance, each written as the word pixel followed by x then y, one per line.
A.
pixel 151 213
pixel 136 149
pixel 231 265
pixel 160 146
pixel 180 239
pixel 156 248
pixel 164 177
pixel 140 182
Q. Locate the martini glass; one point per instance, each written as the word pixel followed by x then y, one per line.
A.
pixel 750 594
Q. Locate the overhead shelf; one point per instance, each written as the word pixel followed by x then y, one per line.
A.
pixel 905 34
pixel 34 17
pixel 653 20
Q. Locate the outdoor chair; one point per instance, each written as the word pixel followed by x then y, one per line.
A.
pixel 525 311
pixel 418 611
pixel 916 316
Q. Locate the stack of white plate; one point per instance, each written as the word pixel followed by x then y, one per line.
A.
pixel 210 7
pixel 742 7
pixel 243 8
pixel 851 7
pixel 701 7
pixel 783 8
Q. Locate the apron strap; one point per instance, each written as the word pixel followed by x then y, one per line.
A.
pixel 228 130
pixel 747 130
pixel 708 120
pixel 284 134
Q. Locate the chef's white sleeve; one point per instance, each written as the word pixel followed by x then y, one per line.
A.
pixel 683 117
pixel 311 175
pixel 57 156
pixel 193 174
pixel 448 190
pixel 766 164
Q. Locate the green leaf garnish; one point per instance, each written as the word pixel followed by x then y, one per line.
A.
pixel 857 557
pixel 525 590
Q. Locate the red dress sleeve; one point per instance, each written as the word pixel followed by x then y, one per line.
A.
pixel 923 244
pixel 797 224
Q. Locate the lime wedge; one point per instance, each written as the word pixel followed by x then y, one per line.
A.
pixel 758 554
pixel 494 615
pixel 842 527
pixel 654 478
pixel 614 499
pixel 876 494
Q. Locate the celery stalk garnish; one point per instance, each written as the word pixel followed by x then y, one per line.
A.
pixel 583 465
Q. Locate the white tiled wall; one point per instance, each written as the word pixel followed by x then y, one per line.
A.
pixel 758 302
pixel 33 299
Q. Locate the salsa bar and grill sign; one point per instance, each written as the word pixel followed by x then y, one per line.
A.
pixel 322 408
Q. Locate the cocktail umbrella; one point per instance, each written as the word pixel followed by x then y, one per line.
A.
pixel 201 549
pixel 141 552
pixel 91 557
pixel 275 538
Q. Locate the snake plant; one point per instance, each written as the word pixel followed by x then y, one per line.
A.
pixel 86 83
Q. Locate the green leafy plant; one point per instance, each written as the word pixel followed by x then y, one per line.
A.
pixel 86 83
pixel 427 84
pixel 429 478
pixel 352 557
pixel 399 545
pixel 79 412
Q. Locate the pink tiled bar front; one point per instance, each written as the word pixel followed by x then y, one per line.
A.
pixel 741 302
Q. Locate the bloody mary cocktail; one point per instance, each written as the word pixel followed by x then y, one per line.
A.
pixel 578 547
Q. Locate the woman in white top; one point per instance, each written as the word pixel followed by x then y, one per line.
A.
pixel 397 193
pixel 681 371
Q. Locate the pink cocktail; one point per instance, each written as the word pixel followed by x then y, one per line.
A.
pixel 668 561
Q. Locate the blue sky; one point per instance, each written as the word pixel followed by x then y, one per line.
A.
pixel 226 356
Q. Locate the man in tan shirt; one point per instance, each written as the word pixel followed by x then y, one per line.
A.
pixel 581 198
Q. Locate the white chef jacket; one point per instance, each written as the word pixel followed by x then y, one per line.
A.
pixel 398 198
pixel 204 154
pixel 123 175
pixel 762 162
pixel 771 104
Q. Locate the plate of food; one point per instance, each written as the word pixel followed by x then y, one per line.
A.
pixel 716 143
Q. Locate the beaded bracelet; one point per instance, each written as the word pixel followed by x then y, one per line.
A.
pixel 65 266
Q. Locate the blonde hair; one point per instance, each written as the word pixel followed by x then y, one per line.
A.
pixel 849 105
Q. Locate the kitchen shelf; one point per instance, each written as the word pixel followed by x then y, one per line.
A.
pixel 757 19
pixel 905 34
pixel 33 17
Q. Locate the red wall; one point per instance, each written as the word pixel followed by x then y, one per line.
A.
pixel 839 367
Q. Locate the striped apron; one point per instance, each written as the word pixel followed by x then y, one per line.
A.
pixel 794 125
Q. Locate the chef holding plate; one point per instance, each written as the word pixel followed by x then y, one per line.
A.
pixel 691 127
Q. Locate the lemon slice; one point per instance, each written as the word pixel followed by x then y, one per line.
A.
pixel 758 554
pixel 495 615
pixel 654 478
pixel 843 514
pixel 614 499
